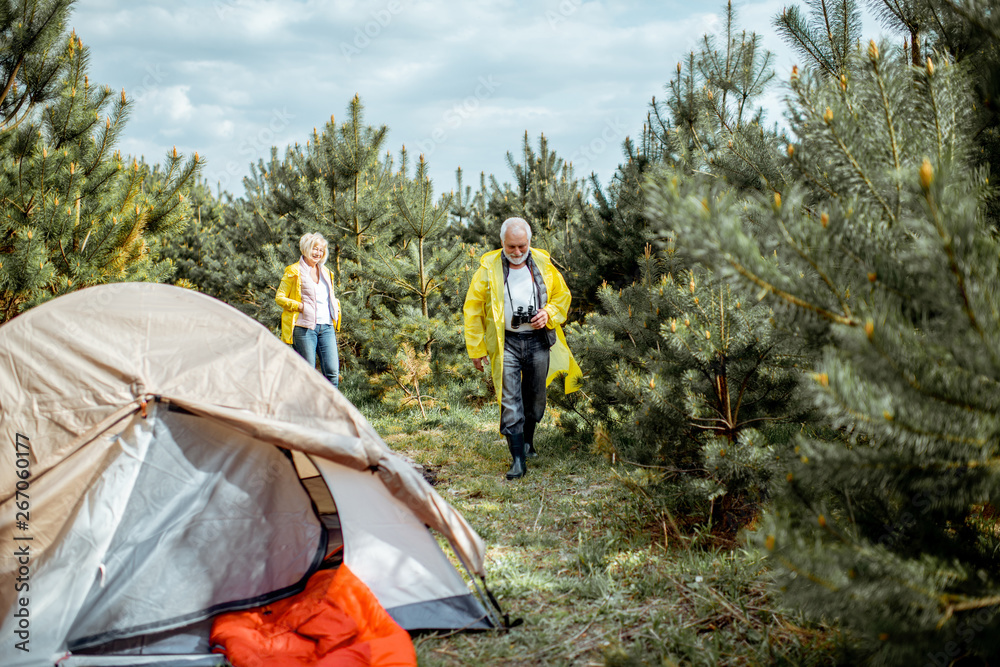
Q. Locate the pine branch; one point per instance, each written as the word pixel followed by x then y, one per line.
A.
pixel 873 57
pixel 948 245
pixel 860 171
pixel 790 298
pixel 801 251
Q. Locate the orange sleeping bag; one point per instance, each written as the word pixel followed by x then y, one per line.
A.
pixel 336 620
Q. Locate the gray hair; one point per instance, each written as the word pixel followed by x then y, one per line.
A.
pixel 307 242
pixel 514 221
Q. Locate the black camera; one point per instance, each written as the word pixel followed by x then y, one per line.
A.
pixel 521 317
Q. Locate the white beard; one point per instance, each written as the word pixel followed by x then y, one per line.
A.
pixel 517 260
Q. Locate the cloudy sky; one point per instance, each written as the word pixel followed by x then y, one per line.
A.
pixel 458 82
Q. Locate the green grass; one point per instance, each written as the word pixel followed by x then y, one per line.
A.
pixel 572 553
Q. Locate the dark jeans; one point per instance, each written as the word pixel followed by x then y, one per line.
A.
pixel 525 367
pixel 321 342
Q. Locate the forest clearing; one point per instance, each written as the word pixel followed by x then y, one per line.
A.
pixel 586 566
pixel 779 445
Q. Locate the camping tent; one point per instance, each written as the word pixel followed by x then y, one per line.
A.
pixel 165 458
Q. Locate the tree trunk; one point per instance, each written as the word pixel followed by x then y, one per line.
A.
pixel 423 278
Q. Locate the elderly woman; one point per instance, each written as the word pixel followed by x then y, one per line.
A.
pixel 310 313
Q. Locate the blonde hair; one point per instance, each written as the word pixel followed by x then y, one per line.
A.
pixel 308 241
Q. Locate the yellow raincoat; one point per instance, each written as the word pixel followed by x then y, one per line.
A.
pixel 484 318
pixel 289 297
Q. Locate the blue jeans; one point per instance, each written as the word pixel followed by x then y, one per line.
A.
pixel 525 367
pixel 322 342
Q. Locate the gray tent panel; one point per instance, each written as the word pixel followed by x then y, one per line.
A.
pixel 212 520
pixel 396 555
pixel 461 611
pixel 150 660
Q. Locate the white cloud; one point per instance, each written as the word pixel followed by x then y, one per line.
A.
pixel 229 78
pixel 225 129
pixel 171 103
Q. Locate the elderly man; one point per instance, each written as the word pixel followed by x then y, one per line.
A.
pixel 513 311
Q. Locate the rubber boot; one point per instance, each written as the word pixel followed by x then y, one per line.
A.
pixel 529 439
pixel 518 468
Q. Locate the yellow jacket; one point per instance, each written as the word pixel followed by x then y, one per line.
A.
pixel 484 318
pixel 289 297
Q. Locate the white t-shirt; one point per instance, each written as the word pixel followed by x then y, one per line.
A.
pixel 323 309
pixel 519 292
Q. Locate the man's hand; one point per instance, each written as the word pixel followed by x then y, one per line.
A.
pixel 478 363
pixel 540 319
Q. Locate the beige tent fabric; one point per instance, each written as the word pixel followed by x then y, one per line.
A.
pixel 73 369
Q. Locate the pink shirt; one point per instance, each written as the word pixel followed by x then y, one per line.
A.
pixel 317 299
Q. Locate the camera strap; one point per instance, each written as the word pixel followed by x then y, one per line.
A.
pixel 533 303
pixel 534 296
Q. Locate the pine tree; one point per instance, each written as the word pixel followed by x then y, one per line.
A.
pixel 613 234
pixel 471 220
pixel 203 256
pixel 408 337
pixel 710 124
pixel 420 222
pixel 880 252
pixel 704 390
pixel 74 213
pixel 692 381
pixel 336 184
pixel 33 57
pixel 828 37
pixel 545 193
pixel 969 34
pixel 339 183
pixel 349 160
pixel 258 235
pixel 462 202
